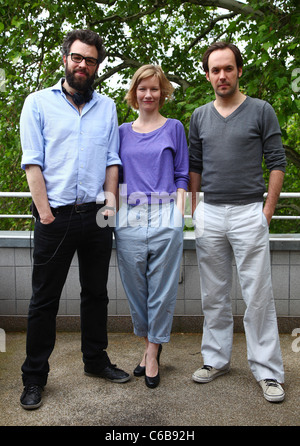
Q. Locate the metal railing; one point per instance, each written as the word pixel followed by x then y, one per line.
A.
pixel 28 195
pixel 15 195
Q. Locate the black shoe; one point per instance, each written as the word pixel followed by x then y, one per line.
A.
pixel 31 397
pixel 111 372
pixel 140 369
pixel 152 382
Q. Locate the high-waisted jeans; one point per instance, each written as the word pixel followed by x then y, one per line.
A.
pixel 244 230
pixel 54 248
pixel 149 241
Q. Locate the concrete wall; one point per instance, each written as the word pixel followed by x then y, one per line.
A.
pixel 15 290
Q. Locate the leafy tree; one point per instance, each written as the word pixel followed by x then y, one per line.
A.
pixel 171 33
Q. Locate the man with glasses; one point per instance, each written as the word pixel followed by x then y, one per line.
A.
pixel 70 143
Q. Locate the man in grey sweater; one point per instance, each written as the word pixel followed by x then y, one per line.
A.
pixel 229 138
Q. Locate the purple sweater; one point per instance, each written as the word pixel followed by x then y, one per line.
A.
pixel 155 164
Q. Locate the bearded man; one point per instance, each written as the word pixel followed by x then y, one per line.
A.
pixel 70 143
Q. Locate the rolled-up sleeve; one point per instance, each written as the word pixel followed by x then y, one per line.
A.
pixel 32 141
pixel 114 140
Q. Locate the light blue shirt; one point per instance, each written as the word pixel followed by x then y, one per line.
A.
pixel 72 149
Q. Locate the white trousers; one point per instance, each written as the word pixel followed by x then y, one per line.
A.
pixel 149 242
pixel 243 231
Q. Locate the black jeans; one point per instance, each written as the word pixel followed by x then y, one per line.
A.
pixel 54 248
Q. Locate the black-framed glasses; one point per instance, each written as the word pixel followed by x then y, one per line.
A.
pixel 77 58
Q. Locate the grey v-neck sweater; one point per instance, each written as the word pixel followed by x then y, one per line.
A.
pixel 228 152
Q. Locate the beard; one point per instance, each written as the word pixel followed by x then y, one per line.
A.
pixel 230 92
pixel 79 84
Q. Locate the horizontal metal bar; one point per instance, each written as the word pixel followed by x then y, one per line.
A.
pixel 286 217
pixel 275 217
pixel 15 216
pixel 28 194
pixel 15 194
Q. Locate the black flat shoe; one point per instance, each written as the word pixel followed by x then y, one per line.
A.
pixel 139 370
pixel 152 382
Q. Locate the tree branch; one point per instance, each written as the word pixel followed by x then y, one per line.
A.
pixel 292 155
pixel 106 2
pixel 178 80
pixel 293 207
pixel 209 28
pixel 158 4
pixel 131 63
pixel 232 5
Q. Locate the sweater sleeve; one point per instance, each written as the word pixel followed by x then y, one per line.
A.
pixel 181 160
pixel 273 149
pixel 195 145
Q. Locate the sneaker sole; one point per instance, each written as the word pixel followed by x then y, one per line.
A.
pixel 274 398
pixel 120 380
pixel 207 380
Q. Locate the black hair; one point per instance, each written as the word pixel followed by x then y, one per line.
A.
pixel 222 46
pixel 86 36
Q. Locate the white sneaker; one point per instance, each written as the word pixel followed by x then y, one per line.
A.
pixel 272 390
pixel 207 373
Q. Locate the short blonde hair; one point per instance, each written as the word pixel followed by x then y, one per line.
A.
pixel 142 73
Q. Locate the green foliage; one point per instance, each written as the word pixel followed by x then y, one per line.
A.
pixel 171 33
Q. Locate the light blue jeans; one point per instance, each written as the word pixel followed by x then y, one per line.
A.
pixel 243 230
pixel 149 242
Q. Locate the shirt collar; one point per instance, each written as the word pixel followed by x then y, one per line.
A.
pixel 58 87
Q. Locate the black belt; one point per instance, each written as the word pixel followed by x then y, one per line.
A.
pixel 77 208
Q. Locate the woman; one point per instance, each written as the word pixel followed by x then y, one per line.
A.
pixel 149 231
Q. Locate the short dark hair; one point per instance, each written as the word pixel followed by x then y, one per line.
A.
pixel 86 36
pixel 222 46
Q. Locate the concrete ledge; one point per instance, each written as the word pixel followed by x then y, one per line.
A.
pixel 123 324
pixel 16 271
